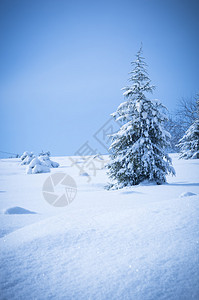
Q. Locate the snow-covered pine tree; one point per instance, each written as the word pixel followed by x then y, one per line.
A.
pixel 189 143
pixel 137 151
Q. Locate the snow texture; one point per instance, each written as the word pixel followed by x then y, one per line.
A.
pixel 140 242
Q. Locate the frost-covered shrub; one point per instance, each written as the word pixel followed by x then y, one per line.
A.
pixel 27 158
pixel 24 155
pixel 48 162
pixel 41 164
pixel 45 153
pixel 37 166
pixel 189 144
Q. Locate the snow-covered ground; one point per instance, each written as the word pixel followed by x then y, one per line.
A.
pixel 136 243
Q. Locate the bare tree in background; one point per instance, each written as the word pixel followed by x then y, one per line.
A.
pixel 176 130
pixel 186 111
pixel 181 119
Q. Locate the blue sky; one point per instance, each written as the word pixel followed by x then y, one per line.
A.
pixel 63 64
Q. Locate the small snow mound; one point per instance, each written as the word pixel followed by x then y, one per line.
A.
pixel 18 211
pixel 187 194
pixel 84 174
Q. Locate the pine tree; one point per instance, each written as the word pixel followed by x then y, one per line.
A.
pixel 138 148
pixel 189 144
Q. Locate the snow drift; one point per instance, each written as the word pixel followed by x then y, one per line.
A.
pixel 136 243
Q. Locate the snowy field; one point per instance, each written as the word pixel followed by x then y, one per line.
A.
pixel 136 243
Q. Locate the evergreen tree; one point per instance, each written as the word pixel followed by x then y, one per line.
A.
pixel 138 148
pixel 189 144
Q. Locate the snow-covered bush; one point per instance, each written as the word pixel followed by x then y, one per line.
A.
pixel 41 164
pixel 27 158
pixel 44 153
pixel 138 149
pixel 189 144
pixel 37 166
pixel 24 155
pixel 48 162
